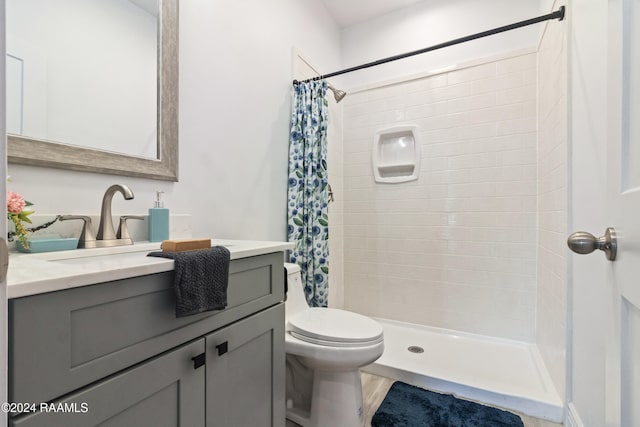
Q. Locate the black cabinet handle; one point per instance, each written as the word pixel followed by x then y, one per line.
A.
pixel 199 360
pixel 222 348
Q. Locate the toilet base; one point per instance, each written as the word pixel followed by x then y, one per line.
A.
pixel 336 401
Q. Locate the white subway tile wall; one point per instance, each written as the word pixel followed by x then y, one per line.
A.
pixel 457 248
pixel 552 297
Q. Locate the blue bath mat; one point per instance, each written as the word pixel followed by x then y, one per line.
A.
pixel 409 406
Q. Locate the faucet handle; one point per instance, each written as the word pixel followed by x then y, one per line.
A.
pixel 123 230
pixel 87 232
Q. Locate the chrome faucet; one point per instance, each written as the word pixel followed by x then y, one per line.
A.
pixel 106 236
pixel 105 229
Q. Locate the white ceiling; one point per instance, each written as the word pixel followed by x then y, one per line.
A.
pixel 350 12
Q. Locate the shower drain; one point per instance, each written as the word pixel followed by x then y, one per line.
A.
pixel 415 349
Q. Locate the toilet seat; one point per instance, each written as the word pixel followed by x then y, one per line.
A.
pixel 331 327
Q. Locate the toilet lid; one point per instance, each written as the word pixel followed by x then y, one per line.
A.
pixel 332 326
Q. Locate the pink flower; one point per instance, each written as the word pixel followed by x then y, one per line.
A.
pixel 15 202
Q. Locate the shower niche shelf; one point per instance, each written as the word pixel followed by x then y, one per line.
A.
pixel 396 154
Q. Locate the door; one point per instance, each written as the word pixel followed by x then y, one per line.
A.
pixel 623 174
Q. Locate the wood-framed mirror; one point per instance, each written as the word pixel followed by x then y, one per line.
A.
pixel 162 163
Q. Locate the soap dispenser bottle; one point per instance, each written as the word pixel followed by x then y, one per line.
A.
pixel 158 220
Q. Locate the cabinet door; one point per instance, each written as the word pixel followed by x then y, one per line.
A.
pixel 245 372
pixel 164 392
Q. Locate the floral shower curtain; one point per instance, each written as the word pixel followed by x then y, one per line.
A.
pixel 308 222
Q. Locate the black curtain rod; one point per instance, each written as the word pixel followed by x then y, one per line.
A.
pixel 558 14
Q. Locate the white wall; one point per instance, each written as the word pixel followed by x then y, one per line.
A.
pixel 235 78
pixel 552 293
pixel 335 157
pixel 456 248
pixel 588 127
pixel 546 6
pixel 431 22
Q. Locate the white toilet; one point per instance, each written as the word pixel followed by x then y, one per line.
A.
pixel 325 348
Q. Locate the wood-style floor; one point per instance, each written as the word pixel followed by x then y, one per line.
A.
pixel 375 388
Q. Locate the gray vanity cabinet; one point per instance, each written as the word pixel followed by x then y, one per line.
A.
pixel 119 348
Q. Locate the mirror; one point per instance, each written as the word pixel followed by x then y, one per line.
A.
pixel 98 92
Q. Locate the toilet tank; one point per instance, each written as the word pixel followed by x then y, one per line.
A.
pixel 296 300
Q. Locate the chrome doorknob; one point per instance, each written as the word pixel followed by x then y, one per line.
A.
pixel 582 242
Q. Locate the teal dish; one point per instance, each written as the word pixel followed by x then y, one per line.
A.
pixel 48 245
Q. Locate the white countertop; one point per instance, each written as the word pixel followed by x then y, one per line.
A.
pixel 31 274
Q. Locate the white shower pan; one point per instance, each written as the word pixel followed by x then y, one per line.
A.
pixel 499 372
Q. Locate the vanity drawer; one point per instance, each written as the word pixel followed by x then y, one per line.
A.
pixel 61 341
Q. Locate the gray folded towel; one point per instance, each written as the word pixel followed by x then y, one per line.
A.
pixel 201 279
